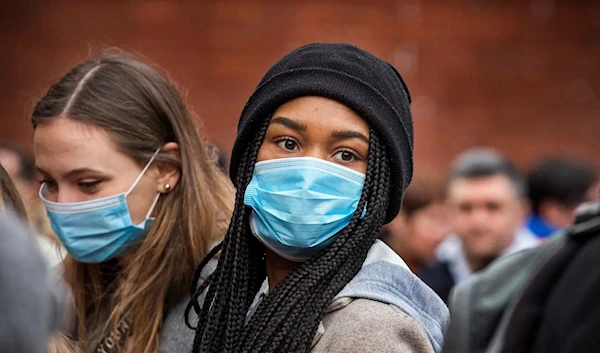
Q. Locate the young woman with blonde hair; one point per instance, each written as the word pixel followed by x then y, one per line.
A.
pixel 134 197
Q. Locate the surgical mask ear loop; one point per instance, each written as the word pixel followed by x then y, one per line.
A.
pixel 138 180
pixel 153 204
pixel 143 172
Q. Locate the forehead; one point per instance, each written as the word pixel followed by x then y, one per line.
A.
pixel 64 143
pixel 322 113
pixel 492 188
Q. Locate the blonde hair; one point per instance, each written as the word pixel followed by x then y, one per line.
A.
pixel 142 110
pixel 9 194
pixel 61 344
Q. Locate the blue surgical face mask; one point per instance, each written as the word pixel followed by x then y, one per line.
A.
pixel 98 230
pixel 300 204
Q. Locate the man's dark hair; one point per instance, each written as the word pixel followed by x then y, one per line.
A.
pixel 27 171
pixel 560 180
pixel 486 162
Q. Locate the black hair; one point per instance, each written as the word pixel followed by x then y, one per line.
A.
pixel 288 317
pixel 560 180
pixel 27 171
pixel 484 162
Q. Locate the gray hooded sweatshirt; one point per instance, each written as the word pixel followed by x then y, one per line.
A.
pixel 385 308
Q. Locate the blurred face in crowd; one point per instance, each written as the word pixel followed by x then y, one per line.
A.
pixel 416 237
pixel 563 216
pixel 486 214
pixel 10 162
pixel 593 193
pixel 558 214
pixel 80 162
pixel 28 190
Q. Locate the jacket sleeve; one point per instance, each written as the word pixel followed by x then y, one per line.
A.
pixel 370 326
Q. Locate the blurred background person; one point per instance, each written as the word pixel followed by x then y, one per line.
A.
pixel 218 155
pixel 488 206
pixel 21 168
pixel 20 188
pixel 20 274
pixel 31 309
pixel 556 187
pixel 9 195
pixel 421 226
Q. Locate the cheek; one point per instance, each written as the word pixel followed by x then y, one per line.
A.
pixel 423 244
pixel 568 217
pixel 460 221
pixel 361 167
pixel 428 233
pixel 509 219
pixel 265 152
pixel 420 230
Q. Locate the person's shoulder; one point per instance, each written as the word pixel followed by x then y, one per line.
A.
pixel 359 312
pixel 176 336
pixel 360 325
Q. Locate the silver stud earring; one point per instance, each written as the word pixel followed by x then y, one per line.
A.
pixel 167 187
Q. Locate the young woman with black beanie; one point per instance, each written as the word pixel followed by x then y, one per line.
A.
pixel 321 161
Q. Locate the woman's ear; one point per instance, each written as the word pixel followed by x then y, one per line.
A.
pixel 168 174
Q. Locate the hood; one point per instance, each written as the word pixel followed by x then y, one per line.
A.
pixel 386 278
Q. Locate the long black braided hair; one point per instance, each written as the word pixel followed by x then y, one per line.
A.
pixel 287 318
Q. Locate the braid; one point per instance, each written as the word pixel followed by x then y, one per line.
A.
pixel 288 318
pixel 211 325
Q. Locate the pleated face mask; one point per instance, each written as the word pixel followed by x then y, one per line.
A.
pixel 98 230
pixel 300 204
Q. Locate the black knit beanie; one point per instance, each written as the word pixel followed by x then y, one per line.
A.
pixel 345 73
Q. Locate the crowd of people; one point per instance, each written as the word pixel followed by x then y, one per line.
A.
pixel 123 233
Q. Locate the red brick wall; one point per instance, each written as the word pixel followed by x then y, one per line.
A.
pixel 521 76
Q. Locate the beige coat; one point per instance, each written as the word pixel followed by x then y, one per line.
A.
pixel 363 325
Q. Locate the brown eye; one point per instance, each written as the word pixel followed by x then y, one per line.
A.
pixel 89 186
pixel 345 156
pixel 289 145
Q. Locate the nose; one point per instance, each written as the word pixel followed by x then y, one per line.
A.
pixel 64 195
pixel 62 198
pixel 316 152
pixel 479 216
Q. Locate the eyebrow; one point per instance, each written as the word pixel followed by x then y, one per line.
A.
pixel 287 122
pixel 73 172
pixel 349 134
